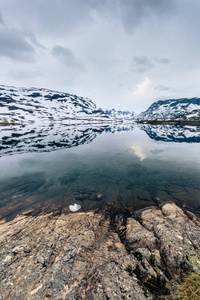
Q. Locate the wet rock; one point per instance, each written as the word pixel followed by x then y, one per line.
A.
pixel 130 186
pixel 119 224
pixel 142 194
pixel 99 196
pixel 28 212
pixel 66 179
pixel 86 194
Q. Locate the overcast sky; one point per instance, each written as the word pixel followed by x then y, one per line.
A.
pixel 120 53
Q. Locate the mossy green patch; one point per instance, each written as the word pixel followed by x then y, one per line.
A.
pixel 191 288
pixel 152 259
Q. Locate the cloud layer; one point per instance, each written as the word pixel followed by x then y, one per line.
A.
pixel 66 56
pixel 13 44
pixel 123 54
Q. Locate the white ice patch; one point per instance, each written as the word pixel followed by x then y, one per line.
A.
pixel 74 207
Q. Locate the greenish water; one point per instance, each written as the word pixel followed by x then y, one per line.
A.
pixel 128 170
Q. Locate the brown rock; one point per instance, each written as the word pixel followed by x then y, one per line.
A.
pixel 75 256
pixel 178 237
pixel 81 256
pixel 137 236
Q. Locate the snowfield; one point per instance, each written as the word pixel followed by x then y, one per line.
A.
pixel 173 109
pixel 26 106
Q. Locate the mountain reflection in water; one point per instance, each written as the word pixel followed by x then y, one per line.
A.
pixel 172 133
pixel 116 166
pixel 53 137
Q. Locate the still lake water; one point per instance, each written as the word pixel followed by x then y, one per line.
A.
pixel 124 167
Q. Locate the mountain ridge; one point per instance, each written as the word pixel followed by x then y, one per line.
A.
pixel 22 106
pixel 123 114
pixel 39 105
pixel 172 109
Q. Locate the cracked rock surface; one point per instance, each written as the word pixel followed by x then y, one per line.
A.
pixel 87 256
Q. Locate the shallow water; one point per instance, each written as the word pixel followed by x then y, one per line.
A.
pixel 120 166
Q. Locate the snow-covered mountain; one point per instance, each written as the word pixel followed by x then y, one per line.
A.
pixel 173 109
pixel 118 113
pixel 25 106
pixel 171 133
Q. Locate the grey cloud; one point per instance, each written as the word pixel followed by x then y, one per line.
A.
pixel 66 16
pixel 54 17
pixel 67 57
pixel 1 19
pixel 162 88
pixel 163 61
pixel 133 12
pixel 142 63
pixel 22 74
pixel 146 35
pixel 14 45
pixel 33 40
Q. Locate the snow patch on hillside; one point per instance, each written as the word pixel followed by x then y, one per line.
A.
pixel 26 106
pixel 173 109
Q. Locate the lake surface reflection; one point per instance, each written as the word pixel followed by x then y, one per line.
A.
pixel 104 166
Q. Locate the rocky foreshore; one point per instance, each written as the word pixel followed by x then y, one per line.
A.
pixel 99 255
